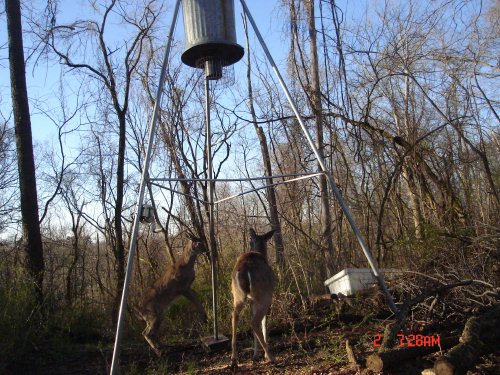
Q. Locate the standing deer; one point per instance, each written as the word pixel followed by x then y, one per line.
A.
pixel 253 281
pixel 175 282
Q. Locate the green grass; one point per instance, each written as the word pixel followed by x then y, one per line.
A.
pixel 20 322
pixel 34 335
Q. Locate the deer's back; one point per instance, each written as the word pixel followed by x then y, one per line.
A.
pixel 176 280
pixel 252 276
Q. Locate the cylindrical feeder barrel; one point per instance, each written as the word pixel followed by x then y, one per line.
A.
pixel 209 27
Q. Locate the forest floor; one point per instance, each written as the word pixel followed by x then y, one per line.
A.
pixel 313 344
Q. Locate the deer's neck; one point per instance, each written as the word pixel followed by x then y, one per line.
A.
pixel 262 251
pixel 188 258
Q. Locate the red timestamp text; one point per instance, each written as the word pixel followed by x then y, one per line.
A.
pixel 411 340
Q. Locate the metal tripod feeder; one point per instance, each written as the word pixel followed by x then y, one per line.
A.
pixel 211 45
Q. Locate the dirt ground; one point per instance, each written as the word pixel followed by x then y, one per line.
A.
pixel 315 344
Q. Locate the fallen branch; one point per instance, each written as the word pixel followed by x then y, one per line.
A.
pixel 353 361
pixel 392 330
pixel 480 336
pixel 386 359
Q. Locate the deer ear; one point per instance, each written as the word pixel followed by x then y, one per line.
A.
pixel 191 236
pixel 252 234
pixel 269 235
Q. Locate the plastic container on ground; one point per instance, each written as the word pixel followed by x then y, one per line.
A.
pixel 351 280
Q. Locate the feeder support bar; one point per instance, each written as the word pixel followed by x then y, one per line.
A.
pixel 321 162
pixel 211 218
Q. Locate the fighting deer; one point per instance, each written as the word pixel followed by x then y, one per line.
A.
pixel 252 281
pixel 175 282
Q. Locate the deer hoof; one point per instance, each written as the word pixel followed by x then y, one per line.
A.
pixel 234 365
pixel 270 359
pixel 257 357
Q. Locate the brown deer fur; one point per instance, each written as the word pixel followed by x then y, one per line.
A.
pixel 253 282
pixel 176 281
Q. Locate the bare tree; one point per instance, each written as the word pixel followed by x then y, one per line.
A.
pixel 116 79
pixel 32 239
pixel 266 160
pixel 317 109
pixel 8 175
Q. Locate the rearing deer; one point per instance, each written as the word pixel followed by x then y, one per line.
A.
pixel 253 282
pixel 176 281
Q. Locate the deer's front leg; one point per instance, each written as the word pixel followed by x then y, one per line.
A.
pixel 193 297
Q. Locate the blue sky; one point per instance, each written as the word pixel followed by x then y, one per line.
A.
pixel 43 81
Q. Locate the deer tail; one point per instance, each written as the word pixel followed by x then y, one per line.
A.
pixel 244 280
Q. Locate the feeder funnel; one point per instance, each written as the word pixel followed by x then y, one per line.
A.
pixel 210 32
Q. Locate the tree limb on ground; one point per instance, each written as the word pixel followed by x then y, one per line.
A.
pixel 480 336
pixel 392 329
pixel 387 359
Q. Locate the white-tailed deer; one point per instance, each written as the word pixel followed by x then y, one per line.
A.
pixel 175 282
pixel 252 281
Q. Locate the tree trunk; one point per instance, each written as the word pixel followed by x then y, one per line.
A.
pixel 119 250
pixel 418 220
pixel 480 336
pixel 315 97
pixel 271 197
pixel 266 160
pixel 71 276
pixel 177 157
pixel 32 239
pixel 386 359
pixel 411 131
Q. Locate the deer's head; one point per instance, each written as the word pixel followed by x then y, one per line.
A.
pixel 197 245
pixel 258 242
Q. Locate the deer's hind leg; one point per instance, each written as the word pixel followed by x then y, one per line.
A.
pixel 238 306
pixel 150 334
pixel 256 346
pixel 259 311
